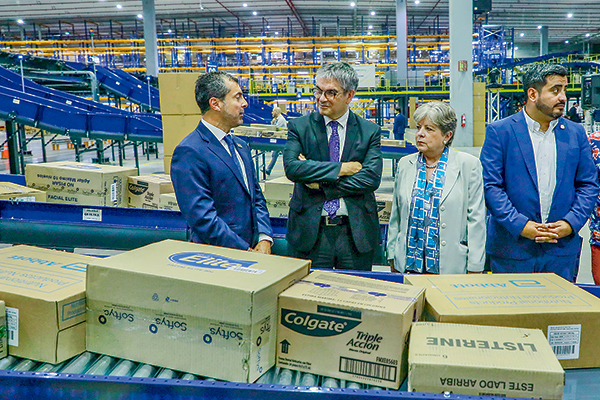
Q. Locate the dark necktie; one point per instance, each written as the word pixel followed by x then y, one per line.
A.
pixel 331 206
pixel 229 141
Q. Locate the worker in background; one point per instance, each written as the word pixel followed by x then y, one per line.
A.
pixel 281 123
pixel 334 158
pixel 595 216
pixel 213 174
pixel 399 124
pixel 573 113
pixel 540 181
pixel 437 223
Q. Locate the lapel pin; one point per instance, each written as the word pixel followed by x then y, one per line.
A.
pixel 239 145
pixel 562 126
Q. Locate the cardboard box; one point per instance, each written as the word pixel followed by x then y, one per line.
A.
pixel 167 162
pixel 144 191
pixel 201 309
pixel 478 89
pixel 279 189
pixel 13 191
pixel 347 327
pixel 168 201
pixel 80 183
pixel 568 316
pixel 3 331
pixel 393 143
pixel 483 361
pixel 177 93
pixel 44 292
pixel 176 128
pixel 384 206
pixel 278 208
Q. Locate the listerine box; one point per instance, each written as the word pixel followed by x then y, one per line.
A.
pixel 347 327
pixel 201 309
pixel 483 361
pixel 44 292
pixel 3 331
pixel 568 315
pixel 144 191
pixel 80 183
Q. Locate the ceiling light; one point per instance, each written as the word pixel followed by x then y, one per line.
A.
pixel 566 42
pixel 140 16
pixel 372 12
pixel 20 22
pixel 587 35
pixel 119 6
pixel 569 15
pixel 516 48
pixel 521 34
pixel 353 4
pixel 169 31
pixel 539 27
pixel 254 13
pixel 417 2
pixel 245 5
pixel 277 33
pixel 67 33
pixel 268 26
pixel 370 26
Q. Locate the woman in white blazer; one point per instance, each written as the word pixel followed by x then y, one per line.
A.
pixel 437 224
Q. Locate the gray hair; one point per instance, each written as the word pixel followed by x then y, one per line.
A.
pixel 341 72
pixel 536 74
pixel 439 113
pixel 212 84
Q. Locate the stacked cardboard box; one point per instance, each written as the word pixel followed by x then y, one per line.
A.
pixel 179 110
pixel 13 191
pixel 483 361
pixel 3 331
pixel 44 292
pixel 278 193
pixel 479 113
pixel 567 314
pixel 384 206
pixel 144 191
pixel 347 327
pixel 80 183
pixel 201 309
pixel 168 201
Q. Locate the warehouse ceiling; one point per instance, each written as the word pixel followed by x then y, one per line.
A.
pixel 576 21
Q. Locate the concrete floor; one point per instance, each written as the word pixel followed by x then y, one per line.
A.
pixel 155 165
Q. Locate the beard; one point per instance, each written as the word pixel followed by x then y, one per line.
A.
pixel 549 111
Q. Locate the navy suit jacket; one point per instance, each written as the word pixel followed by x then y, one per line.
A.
pixel 511 187
pixel 211 193
pixel 308 136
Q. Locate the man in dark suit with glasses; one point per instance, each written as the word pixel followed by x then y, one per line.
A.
pixel 334 158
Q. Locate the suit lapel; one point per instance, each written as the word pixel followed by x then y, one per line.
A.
pixel 562 144
pixel 218 150
pixel 521 133
pixel 452 172
pixel 411 176
pixel 351 136
pixel 321 136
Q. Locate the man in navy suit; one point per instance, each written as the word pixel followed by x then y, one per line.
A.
pixel 334 158
pixel 540 181
pixel 213 174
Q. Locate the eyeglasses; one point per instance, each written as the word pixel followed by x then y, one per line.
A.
pixel 330 94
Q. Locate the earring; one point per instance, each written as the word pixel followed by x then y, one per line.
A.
pixel 445 142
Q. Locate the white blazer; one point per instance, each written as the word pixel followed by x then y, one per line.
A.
pixel 462 214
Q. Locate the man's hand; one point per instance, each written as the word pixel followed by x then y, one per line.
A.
pixel 311 185
pixel 561 228
pixel 350 168
pixel 539 233
pixel 264 246
pixel 301 157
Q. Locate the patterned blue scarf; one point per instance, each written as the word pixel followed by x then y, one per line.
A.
pixel 423 241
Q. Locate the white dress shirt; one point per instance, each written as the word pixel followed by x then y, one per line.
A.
pixel 342 124
pixel 544 151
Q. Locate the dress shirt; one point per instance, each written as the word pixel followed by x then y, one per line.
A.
pixel 342 124
pixel 544 151
pixel 280 121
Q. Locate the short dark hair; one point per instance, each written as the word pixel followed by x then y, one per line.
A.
pixel 342 72
pixel 536 74
pixel 212 84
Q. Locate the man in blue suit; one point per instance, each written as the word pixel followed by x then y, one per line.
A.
pixel 213 175
pixel 540 181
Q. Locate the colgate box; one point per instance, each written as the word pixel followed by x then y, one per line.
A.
pixel 347 327
pixel 44 292
pixel 568 315
pixel 200 309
